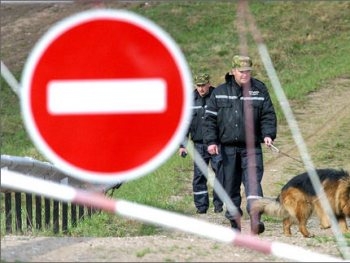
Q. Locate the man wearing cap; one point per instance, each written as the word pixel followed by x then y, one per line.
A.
pixel 239 117
pixel 200 190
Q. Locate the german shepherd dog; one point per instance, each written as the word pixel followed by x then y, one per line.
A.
pixel 298 200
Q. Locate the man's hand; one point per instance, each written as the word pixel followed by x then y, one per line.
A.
pixel 213 149
pixel 182 152
pixel 268 141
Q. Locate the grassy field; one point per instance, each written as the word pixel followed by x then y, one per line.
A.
pixel 309 45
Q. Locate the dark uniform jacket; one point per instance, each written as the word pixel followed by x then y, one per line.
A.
pixel 195 131
pixel 224 117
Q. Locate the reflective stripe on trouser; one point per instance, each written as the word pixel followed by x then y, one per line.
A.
pixel 201 200
pixel 235 166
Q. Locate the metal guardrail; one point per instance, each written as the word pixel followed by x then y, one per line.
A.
pixel 25 212
pixel 43 170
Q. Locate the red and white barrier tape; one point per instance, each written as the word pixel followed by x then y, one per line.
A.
pixel 17 181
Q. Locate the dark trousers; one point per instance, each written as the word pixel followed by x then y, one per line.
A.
pixel 199 183
pixel 239 168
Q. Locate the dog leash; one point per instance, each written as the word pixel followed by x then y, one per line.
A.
pixel 274 148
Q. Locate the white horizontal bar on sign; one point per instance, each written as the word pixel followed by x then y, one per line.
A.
pixel 68 97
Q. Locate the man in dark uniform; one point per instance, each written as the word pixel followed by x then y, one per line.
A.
pixel 239 117
pixel 200 190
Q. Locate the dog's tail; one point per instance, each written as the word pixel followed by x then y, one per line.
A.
pixel 269 206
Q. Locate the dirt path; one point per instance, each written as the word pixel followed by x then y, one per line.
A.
pixel 323 112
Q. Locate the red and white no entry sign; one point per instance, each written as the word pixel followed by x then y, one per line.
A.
pixel 106 95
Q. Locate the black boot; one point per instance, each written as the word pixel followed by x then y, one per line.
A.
pixel 236 224
pixel 257 227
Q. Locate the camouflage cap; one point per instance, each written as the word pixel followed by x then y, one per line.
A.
pixel 202 78
pixel 242 63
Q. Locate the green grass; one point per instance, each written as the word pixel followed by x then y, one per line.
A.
pixel 327 239
pixel 309 45
pixel 167 188
pixel 143 252
pixel 271 219
pixel 337 142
